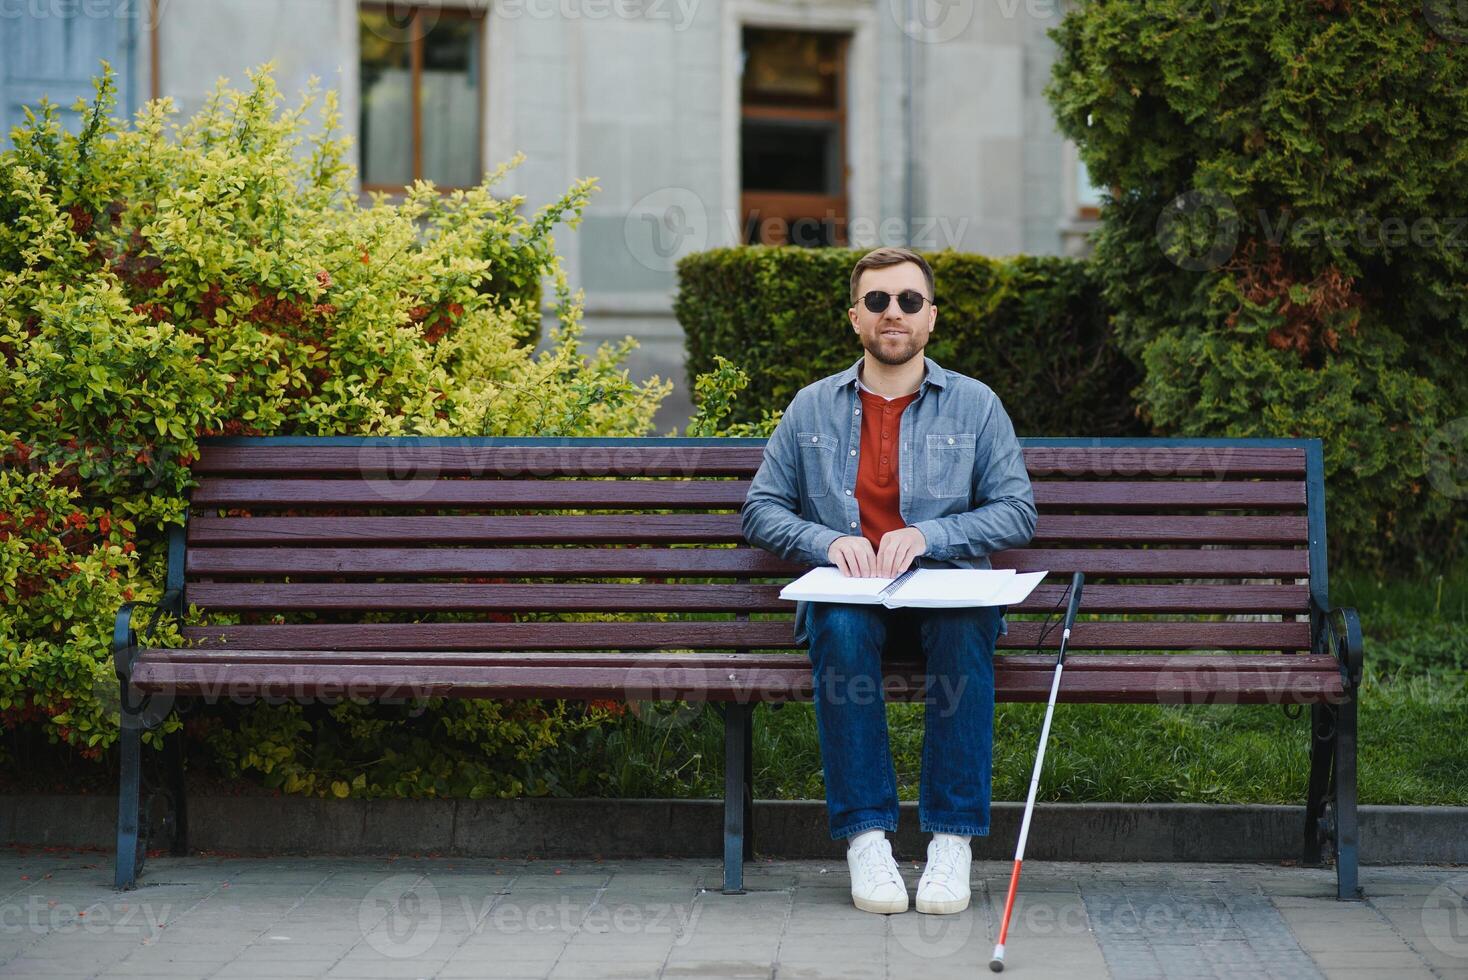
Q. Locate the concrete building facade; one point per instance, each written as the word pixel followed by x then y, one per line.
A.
pixel 706 122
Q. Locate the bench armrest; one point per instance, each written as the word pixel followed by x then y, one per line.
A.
pixel 1341 637
pixel 125 638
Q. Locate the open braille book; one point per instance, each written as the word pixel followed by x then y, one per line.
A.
pixel 928 588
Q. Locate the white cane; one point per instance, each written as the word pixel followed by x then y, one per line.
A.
pixel 997 963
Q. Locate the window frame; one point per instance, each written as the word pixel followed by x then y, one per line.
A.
pixel 1075 210
pixel 415 55
pixel 802 205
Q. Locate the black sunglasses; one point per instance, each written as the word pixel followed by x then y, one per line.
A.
pixel 908 301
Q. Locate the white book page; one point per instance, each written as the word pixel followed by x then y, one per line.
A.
pixel 827 584
pixel 944 587
pixel 1018 588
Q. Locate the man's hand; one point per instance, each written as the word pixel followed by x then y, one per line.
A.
pixel 853 554
pixel 898 549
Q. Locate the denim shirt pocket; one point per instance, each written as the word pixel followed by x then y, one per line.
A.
pixel 949 463
pixel 817 459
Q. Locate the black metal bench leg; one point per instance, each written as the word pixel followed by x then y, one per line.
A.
pixel 129 862
pixel 736 755
pixel 1322 757
pixel 175 749
pixel 1346 857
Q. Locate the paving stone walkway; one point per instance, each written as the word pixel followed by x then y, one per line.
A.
pixel 218 917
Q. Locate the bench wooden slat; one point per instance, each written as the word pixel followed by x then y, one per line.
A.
pixel 497 636
pixel 1087 635
pixel 538 562
pixel 204 529
pixel 1171 529
pixel 1179 494
pixel 529 494
pixel 442 459
pixel 578 660
pixel 1159 562
pixel 469 529
pixel 1219 462
pixel 1176 599
pixel 696 562
pixel 696 494
pixel 618 597
pixel 467 597
pixel 409 682
pixel 445 459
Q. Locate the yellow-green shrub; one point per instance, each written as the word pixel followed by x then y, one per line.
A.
pixel 161 281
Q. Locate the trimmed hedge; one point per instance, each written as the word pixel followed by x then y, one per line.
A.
pixel 1033 328
pixel 1285 254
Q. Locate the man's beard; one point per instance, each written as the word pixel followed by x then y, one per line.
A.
pixel 913 349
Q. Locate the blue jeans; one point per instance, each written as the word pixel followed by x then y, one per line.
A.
pixel 847 644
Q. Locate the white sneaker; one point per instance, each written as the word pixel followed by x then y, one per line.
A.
pixel 876 884
pixel 943 888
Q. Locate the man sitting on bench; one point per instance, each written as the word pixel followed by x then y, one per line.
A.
pixel 894 461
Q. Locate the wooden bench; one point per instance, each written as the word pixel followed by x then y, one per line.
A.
pixel 1205 565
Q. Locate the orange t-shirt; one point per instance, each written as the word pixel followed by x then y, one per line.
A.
pixel 878 489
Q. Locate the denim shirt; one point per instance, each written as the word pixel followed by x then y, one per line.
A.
pixel 961 473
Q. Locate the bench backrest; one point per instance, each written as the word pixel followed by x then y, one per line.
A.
pixel 1173 535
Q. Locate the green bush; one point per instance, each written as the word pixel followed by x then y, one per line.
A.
pixel 160 282
pixel 1034 329
pixel 1285 251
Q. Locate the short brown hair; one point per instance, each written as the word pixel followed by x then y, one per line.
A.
pixel 880 258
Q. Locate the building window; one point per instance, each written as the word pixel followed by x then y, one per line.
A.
pixel 422 96
pixel 1087 195
pixel 793 137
